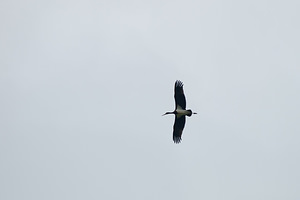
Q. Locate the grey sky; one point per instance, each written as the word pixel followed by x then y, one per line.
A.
pixel 72 72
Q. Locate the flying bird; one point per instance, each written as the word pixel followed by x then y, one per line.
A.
pixel 180 112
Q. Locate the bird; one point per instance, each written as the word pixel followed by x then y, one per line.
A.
pixel 180 111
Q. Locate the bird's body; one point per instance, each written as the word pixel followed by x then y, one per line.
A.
pixel 180 111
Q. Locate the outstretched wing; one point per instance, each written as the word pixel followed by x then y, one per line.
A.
pixel 178 128
pixel 179 95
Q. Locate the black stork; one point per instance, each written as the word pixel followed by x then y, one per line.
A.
pixel 180 112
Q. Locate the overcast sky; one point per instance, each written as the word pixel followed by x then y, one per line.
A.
pixel 84 85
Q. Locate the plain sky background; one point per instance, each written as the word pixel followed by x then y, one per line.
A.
pixel 84 85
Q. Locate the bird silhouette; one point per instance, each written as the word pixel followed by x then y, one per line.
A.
pixel 180 112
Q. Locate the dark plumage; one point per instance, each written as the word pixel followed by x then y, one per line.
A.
pixel 180 111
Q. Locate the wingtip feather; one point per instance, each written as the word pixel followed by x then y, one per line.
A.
pixel 177 140
pixel 179 83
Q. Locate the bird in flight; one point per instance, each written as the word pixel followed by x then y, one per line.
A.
pixel 180 112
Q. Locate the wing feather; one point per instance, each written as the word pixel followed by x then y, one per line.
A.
pixel 178 128
pixel 179 95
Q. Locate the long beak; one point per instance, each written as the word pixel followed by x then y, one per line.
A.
pixel 195 113
pixel 164 114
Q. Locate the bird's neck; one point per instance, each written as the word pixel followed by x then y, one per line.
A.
pixel 167 113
